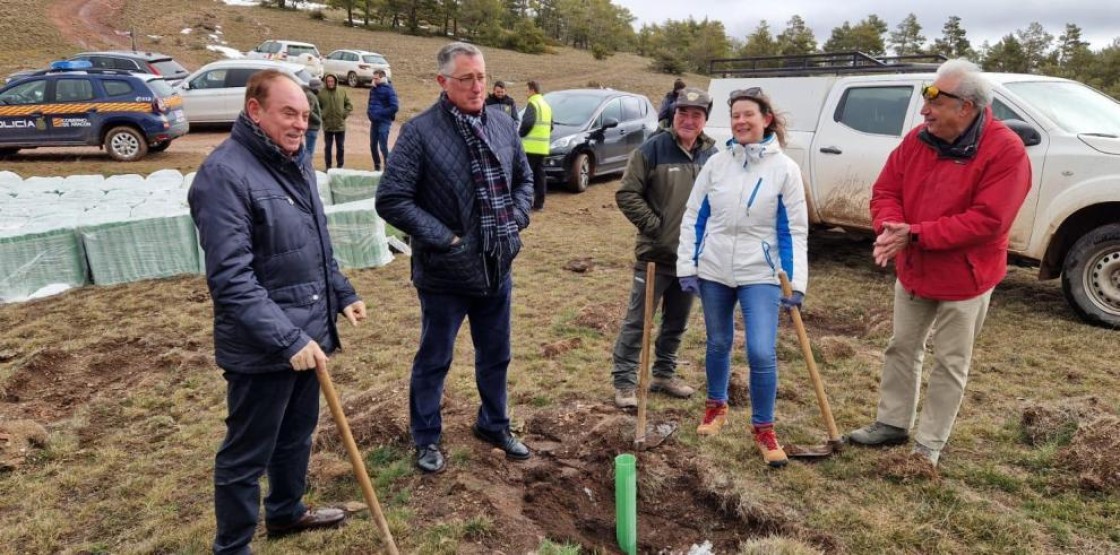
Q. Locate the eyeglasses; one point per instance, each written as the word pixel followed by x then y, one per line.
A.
pixel 468 80
pixel 753 93
pixel 931 92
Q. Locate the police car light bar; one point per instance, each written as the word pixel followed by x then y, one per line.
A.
pixel 71 64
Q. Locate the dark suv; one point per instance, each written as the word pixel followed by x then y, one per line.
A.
pixel 593 132
pixel 128 114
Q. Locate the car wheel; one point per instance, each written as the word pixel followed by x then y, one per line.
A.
pixel 580 174
pixel 1091 276
pixel 159 147
pixel 125 144
pixel 352 79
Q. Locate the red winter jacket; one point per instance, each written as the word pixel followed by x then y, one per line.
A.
pixel 960 209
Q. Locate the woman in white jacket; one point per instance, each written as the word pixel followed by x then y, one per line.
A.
pixel 746 219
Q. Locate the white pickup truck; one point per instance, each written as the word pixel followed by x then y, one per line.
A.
pixel 843 125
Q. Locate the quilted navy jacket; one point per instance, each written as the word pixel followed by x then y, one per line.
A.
pixel 269 264
pixel 427 191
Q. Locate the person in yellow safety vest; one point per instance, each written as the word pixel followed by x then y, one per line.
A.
pixel 536 135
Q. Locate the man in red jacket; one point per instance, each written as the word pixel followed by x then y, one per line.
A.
pixel 942 208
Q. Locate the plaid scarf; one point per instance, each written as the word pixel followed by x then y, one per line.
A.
pixel 495 203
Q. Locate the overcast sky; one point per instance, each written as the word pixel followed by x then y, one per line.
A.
pixel 983 20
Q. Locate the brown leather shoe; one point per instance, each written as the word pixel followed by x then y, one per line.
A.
pixel 311 520
pixel 673 387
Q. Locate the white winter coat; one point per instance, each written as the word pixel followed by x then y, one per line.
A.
pixel 746 218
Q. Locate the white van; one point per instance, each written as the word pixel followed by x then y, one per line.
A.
pixel 290 51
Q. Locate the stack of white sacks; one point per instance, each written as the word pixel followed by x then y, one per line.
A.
pixel 57 233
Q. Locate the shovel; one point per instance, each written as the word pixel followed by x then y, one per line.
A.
pixel 834 444
pixel 660 432
pixel 355 456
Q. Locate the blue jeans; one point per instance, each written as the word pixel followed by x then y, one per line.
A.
pixel 379 142
pixel 759 304
pixel 441 317
pixel 337 138
pixel 309 138
pixel 268 430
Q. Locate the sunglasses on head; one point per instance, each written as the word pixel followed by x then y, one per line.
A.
pixel 753 93
pixel 931 92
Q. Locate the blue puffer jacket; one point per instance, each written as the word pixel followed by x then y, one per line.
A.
pixel 383 104
pixel 427 191
pixel 269 264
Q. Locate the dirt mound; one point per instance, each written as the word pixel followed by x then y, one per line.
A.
pixel 904 466
pixel 557 348
pixel 1057 421
pixel 1094 454
pixel 566 491
pixel 606 318
pixel 19 440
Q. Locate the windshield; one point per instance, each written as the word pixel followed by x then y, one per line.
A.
pixel 374 59
pixel 1072 106
pixel 572 108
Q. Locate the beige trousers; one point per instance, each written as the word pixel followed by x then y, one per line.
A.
pixel 955 327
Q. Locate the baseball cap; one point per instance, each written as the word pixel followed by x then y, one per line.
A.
pixel 693 97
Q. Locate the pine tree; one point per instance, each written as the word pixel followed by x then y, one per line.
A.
pixel 953 42
pixel 907 38
pixel 797 38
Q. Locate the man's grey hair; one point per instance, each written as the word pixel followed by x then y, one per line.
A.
pixel 446 56
pixel 972 85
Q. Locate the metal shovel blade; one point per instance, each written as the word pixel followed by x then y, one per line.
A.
pixel 656 434
pixel 813 451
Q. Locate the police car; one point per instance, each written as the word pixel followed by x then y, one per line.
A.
pixel 71 104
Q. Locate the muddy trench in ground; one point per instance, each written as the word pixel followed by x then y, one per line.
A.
pixel 566 491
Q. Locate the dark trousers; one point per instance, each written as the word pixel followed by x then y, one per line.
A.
pixel 540 186
pixel 442 315
pixel 268 429
pixel 379 142
pixel 309 138
pixel 675 307
pixel 337 138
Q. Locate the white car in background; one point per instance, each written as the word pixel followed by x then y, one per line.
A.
pixel 215 93
pixel 290 51
pixel 355 67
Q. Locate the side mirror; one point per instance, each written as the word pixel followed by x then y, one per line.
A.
pixel 609 123
pixel 1029 135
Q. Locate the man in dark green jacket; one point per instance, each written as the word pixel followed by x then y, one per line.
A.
pixel 653 195
pixel 336 107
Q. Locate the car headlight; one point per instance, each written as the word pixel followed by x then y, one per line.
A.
pixel 562 142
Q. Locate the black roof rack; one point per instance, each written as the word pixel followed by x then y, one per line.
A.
pixel 824 63
pixel 88 70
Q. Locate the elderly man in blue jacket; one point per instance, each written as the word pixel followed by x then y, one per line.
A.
pixel 460 186
pixel 277 291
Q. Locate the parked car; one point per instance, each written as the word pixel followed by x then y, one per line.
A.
pixel 355 67
pixel 593 132
pixel 843 125
pixel 290 51
pixel 128 60
pixel 215 93
pixel 71 104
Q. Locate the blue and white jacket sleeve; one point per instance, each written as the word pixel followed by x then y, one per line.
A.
pixel 693 224
pixel 793 229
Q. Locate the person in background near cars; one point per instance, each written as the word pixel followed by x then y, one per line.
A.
pixel 336 107
pixel 665 112
pixel 383 106
pixel 503 100
pixel 746 220
pixel 315 120
pixel 277 291
pixel 536 136
pixel 655 187
pixel 942 208
pixel 459 185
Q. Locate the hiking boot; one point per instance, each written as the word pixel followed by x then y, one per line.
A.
pixel 767 442
pixel 626 398
pixel 878 433
pixel 672 387
pixel 932 455
pixel 715 416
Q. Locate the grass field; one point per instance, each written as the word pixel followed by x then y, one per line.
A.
pixel 111 407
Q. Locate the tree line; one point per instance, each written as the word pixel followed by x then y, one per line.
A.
pixel 601 27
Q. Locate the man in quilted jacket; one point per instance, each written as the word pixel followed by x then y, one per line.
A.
pixel 460 186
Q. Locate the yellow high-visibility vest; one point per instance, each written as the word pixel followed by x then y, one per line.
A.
pixel 539 137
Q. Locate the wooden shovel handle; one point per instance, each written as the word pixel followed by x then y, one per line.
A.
pixel 355 456
pixel 807 351
pixel 643 360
